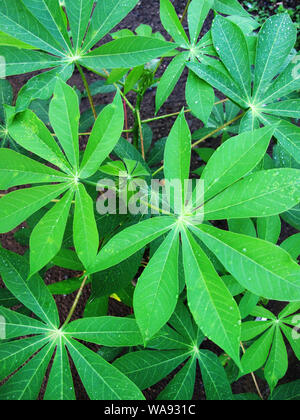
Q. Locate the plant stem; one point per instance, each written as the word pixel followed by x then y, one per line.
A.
pixel 176 113
pixel 185 11
pixel 141 133
pixel 254 378
pixel 207 137
pixel 75 302
pixel 88 90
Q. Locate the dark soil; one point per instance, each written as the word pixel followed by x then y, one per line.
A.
pixel 147 12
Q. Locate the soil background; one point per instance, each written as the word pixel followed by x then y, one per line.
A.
pixel 147 12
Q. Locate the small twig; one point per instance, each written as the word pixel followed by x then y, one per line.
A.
pixel 88 90
pixel 185 11
pixel 141 133
pixel 254 378
pixel 75 303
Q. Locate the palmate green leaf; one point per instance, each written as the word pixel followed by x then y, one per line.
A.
pixel 26 383
pixel 126 52
pixel 23 61
pixel 105 134
pixel 17 169
pixel 252 329
pixel 243 226
pixel 169 80
pixel 101 380
pixel 147 367
pixel 16 325
pixel 107 14
pixel 261 267
pixel 106 331
pixel 216 384
pixel 249 122
pixel 32 134
pixel 47 236
pixel 49 14
pixel 64 116
pixel 177 156
pixel 265 193
pixel 79 13
pixel 197 13
pixel 181 387
pixel 277 364
pixel 213 307
pixel 86 237
pixel 200 97
pixel 131 240
pixel 276 40
pixel 291 335
pixel 16 20
pixel 232 48
pixel 33 293
pixel 17 206
pixel 156 293
pixel 15 353
pixel 235 159
pixel 60 385
pixel 42 86
pixel 7 300
pixel 172 24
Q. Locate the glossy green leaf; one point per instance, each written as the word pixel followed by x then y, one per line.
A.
pixel 269 228
pixel 287 392
pixel 31 133
pixel 172 24
pixel 26 383
pixel 277 364
pixel 33 293
pixel 261 267
pixel 200 97
pixel 60 385
pixel 86 237
pixel 126 52
pixel 17 169
pixel 101 380
pixel 131 240
pixel 181 387
pixel 47 236
pixel 276 39
pixel 17 206
pixel 79 13
pixel 16 20
pixel 64 116
pixel 105 135
pixel 107 14
pixel 216 384
pixel 106 331
pixel 265 193
pixel 177 155
pixel 231 45
pixel 220 320
pixel 156 293
pixel 257 354
pixel 169 80
pixel 197 14
pixel 147 367
pixel 235 159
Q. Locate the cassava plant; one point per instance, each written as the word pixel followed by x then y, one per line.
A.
pixel 197 241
